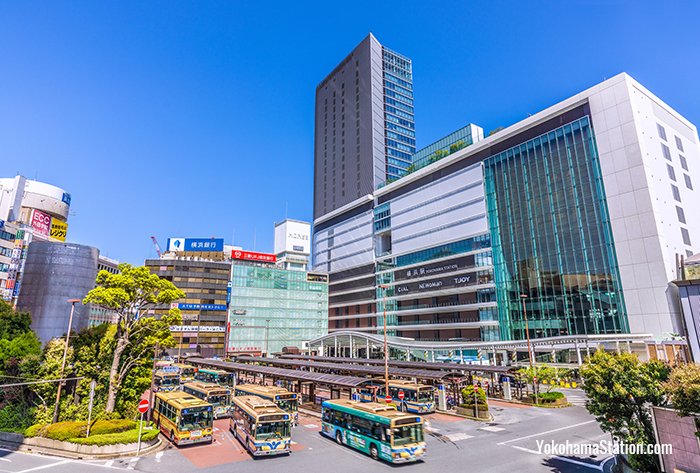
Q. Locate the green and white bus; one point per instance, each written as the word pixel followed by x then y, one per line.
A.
pixel 375 429
pixel 263 428
pixel 209 375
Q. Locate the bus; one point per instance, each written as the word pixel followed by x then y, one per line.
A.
pixel 262 427
pixel 166 381
pixel 417 398
pixel 285 399
pixel 218 396
pixel 183 418
pixel 375 429
pixel 186 371
pixel 209 375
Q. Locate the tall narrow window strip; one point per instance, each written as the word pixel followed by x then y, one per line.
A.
pixel 684 163
pixel 662 131
pixel 686 236
pixel 681 214
pixel 671 172
pixel 688 182
pixel 666 152
pixel 679 144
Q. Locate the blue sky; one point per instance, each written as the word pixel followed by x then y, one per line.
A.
pixel 195 119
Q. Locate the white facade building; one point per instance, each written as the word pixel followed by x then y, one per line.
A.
pixel 293 244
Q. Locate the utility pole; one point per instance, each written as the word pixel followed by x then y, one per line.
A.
pixel 267 338
pixel 65 354
pixel 529 349
pixel 153 381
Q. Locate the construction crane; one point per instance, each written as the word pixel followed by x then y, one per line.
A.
pixel 155 243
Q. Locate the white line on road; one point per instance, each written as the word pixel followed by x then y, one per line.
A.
pixel 528 450
pixel 43 467
pixel 159 455
pixel 6 460
pixel 546 432
pixel 109 462
pixel 576 462
pixel 132 463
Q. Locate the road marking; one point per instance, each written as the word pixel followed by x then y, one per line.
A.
pixel 547 432
pixel 580 463
pixel 132 463
pixel 456 437
pixel 109 462
pixel 6 460
pixel 159 455
pixel 43 467
pixel 311 426
pixel 492 428
pixel 526 450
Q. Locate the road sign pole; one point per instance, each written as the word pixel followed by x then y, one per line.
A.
pixel 476 402
pixel 93 384
pixel 138 448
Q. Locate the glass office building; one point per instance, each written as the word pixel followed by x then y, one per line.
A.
pixel 272 308
pixel 552 243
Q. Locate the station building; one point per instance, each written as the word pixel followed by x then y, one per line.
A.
pixel 567 223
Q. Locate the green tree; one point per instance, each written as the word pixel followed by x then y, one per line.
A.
pixel 683 389
pixel 619 387
pixel 495 130
pixel 130 294
pixel 411 168
pixel 545 374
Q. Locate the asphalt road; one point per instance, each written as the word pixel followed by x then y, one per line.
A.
pixel 509 444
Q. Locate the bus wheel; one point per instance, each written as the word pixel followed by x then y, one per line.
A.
pixel 373 452
pixel 339 437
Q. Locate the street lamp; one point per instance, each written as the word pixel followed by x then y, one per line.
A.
pixel 384 287
pixel 527 329
pixel 63 363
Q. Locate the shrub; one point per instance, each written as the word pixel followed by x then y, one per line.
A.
pixel 15 418
pixel 548 397
pixel 34 430
pixel 102 427
pixel 128 436
pixel 468 398
pixel 64 430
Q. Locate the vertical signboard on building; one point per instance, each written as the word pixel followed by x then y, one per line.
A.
pixel 59 230
pixel 41 222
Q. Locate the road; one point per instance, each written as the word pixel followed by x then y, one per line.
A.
pixel 508 444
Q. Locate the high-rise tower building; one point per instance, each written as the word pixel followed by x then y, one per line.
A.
pixel 365 132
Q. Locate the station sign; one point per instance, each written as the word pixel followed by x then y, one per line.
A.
pixel 316 277
pixel 196 328
pixel 435 269
pixel 445 282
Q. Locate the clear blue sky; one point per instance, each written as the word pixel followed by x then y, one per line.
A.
pixel 195 118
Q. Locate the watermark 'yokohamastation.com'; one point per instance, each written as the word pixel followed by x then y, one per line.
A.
pixel 604 447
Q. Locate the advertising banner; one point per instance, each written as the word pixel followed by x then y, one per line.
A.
pixel 194 328
pixel 253 256
pixel 59 230
pixel 467 279
pixel 195 244
pixel 316 277
pixel 41 222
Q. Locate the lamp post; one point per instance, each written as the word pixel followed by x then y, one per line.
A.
pixel 63 363
pixel 384 287
pixel 267 337
pixel 527 329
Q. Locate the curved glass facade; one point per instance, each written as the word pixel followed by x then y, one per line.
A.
pixel 551 237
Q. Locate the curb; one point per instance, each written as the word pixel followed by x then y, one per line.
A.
pixel 55 452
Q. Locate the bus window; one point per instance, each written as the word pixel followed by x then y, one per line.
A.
pixel 407 434
pixel 268 430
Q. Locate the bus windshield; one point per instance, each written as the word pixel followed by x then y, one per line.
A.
pixel 221 399
pixel 196 420
pixel 167 380
pixel 407 434
pixel 289 405
pixel 267 430
pixel 426 395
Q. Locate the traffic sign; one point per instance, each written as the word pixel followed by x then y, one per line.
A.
pixel 143 406
pixel 401 395
pixel 476 388
pixel 387 399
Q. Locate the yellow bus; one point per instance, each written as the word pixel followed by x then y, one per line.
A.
pixel 417 398
pixel 376 429
pixel 166 381
pixel 218 396
pixel 183 418
pixel 285 399
pixel 186 372
pixel 261 426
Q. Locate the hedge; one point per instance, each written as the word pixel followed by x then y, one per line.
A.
pixel 102 432
pixel 551 396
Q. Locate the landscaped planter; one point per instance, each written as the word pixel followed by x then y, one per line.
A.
pixel 555 403
pixel 469 412
pixel 58 447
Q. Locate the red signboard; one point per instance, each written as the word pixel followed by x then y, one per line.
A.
pixel 401 395
pixel 143 406
pixel 41 222
pixel 387 399
pixel 476 388
pixel 253 256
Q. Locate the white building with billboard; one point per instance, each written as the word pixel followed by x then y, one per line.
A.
pixel 293 244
